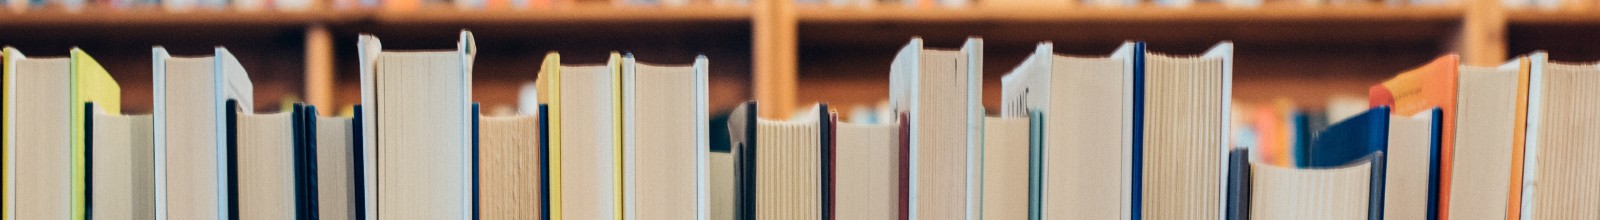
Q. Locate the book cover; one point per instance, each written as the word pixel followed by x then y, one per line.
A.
pixel 1349 140
pixel 90 83
pixel 7 162
pixel 550 80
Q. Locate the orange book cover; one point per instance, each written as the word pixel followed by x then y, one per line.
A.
pixel 1518 139
pixel 1420 89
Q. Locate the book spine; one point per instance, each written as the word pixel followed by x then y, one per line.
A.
pixel 1137 184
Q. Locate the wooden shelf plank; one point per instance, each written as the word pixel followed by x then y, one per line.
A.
pixel 1202 13
pixel 1562 17
pixel 581 14
pixel 156 17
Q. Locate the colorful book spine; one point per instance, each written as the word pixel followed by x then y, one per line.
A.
pixel 90 83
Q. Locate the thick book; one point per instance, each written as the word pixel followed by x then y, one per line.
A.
pixel 866 171
pixel 189 107
pixel 665 142
pixel 1005 176
pixel 1486 155
pixel 121 169
pixel 585 112
pixel 509 159
pixel 47 162
pixel 1087 141
pixel 267 177
pixel 1347 191
pixel 1560 174
pixel 783 163
pixel 1181 110
pixel 1432 85
pixel 416 117
pixel 332 146
pixel 1412 154
pixel 941 90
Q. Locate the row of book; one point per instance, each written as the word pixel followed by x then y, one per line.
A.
pixel 634 140
pixel 1129 135
pixel 307 5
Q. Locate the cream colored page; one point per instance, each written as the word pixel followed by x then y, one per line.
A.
pixel 941 145
pixel 509 167
pixel 421 135
pixel 1084 141
pixel 1486 107
pixel 866 172
pixel 1406 178
pixel 1311 194
pixel 788 175
pixel 42 139
pixel 666 147
pixel 335 169
pixel 266 166
pixel 191 136
pixel 1005 168
pixel 587 128
pixel 1568 147
pixel 1182 121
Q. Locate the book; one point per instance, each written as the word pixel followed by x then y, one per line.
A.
pixel 1329 192
pixel 941 90
pixel 1005 177
pixel 1432 85
pixel 510 157
pixel 49 161
pixel 334 141
pixel 722 185
pixel 1348 140
pixel 267 150
pixel 866 171
pixel 665 139
pixel 1181 113
pixel 417 135
pixel 1559 165
pixel 1087 124
pixel 190 131
pixel 785 162
pixel 585 110
pixel 1490 107
pixel 121 165
pixel 1412 152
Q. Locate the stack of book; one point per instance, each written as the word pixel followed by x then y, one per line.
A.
pixel 1133 134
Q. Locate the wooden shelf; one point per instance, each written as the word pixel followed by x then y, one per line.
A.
pixel 1561 17
pixel 1200 13
pixel 100 18
pixel 583 14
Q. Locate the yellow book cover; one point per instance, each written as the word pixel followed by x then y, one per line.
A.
pixel 549 82
pixel 9 55
pixel 90 83
pixel 615 64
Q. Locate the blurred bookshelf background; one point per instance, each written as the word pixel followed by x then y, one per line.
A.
pixel 786 53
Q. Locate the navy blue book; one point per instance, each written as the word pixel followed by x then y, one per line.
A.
pixel 1350 140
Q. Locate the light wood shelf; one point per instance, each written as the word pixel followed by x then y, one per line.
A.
pixel 783 54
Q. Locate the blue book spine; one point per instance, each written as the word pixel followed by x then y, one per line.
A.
pixel 1138 130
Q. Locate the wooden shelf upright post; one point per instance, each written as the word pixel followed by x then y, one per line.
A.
pixel 775 56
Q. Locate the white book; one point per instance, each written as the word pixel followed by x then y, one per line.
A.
pixel 416 118
pixel 867 171
pixel 190 145
pixel 1185 144
pixel 123 168
pixel 1405 189
pixel 40 158
pixel 586 131
pixel 1005 173
pixel 47 118
pixel 266 158
pixel 1559 172
pixel 941 90
pixel 336 168
pixel 1086 103
pixel 665 140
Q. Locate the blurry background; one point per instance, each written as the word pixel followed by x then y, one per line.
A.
pixel 1295 54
